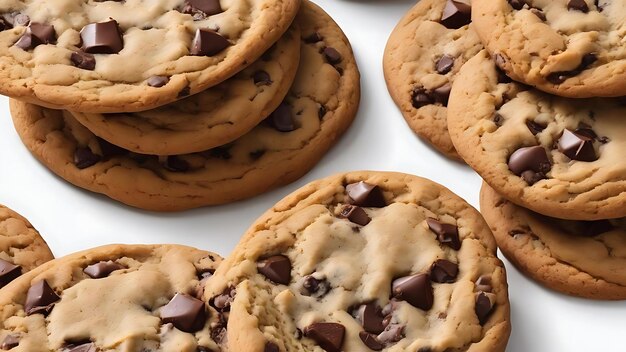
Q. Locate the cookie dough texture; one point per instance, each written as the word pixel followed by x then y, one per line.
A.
pixel 358 264
pixel 546 250
pixel 118 312
pixel 584 44
pixel 410 61
pixel 324 100
pixel 210 118
pixel 157 39
pixel 497 124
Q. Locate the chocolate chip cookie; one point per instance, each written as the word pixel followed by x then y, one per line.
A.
pixel 126 56
pixel 580 258
pixel 21 247
pixel 211 118
pixel 423 56
pixel 364 261
pixel 571 48
pixel 556 156
pixel 318 109
pixel 112 298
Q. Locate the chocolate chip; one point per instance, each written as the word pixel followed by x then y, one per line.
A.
pixel 578 5
pixel 442 94
pixel 83 60
pixel 483 307
pixel 534 127
pixel 415 289
pixel 484 283
pixel 370 316
pixel 530 162
pixel 40 298
pixel 328 336
pixel 207 43
pixel 500 69
pixel 158 81
pixel 456 14
pixel 8 272
pixel 539 14
pixel 184 92
pixel 208 7
pixel 421 97
pixel 35 35
pixel 271 347
pixel 313 38
pixel 277 268
pixel 444 64
pixel 393 333
pixel 355 214
pixel 110 150
pixel 321 112
pixel 185 313
pixel 517 4
pixel 577 146
pixel 102 269
pixel 175 163
pixel 222 301
pixel 84 158
pixel 84 347
pixel 498 120
pixel 218 330
pixel 102 38
pixel 262 78
pixel 444 271
pixel 10 341
pixel 314 287
pixel 365 195
pixel 331 55
pixel 371 341
pixel 282 119
pixel 447 234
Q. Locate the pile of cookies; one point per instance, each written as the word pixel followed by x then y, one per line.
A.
pixel 532 94
pixel 327 268
pixel 171 105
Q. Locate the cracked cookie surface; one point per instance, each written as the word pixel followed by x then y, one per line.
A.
pixel 421 60
pixel 556 156
pixel 133 55
pixel 365 261
pixel 318 109
pixel 580 258
pixel 572 48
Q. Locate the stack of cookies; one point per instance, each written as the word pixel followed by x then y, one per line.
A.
pixel 539 114
pixel 171 105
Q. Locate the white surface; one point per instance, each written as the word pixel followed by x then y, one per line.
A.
pixel 72 219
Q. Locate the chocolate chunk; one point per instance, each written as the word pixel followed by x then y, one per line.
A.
pixel 282 119
pixel 484 283
pixel 498 120
pixel 442 94
pixel 8 272
pixel 277 268
pixel 208 7
pixel 578 5
pixel 158 81
pixel 534 127
pixel 315 287
pixel 102 38
pixel 371 341
pixel 262 78
pixel 40 298
pixel 84 347
pixel 447 234
pixel 370 316
pixel 83 60
pixel 537 12
pixel 328 336
pixel 393 333
pixel 530 162
pixel 207 43
pixel 421 97
pixel 517 4
pixel 218 330
pixel 587 60
pixel 175 163
pixel 184 92
pixel 483 307
pixel 185 313
pixel 415 289
pixel 84 158
pixel 35 35
pixel 365 195
pixel 10 341
pixel 444 64
pixel 110 150
pixel 444 271
pixel 355 214
pixel 577 146
pixel 102 269
pixel 331 55
pixel 313 38
pixel 271 347
pixel 222 301
pixel 456 14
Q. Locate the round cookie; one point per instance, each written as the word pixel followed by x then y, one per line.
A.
pixel 571 48
pixel 126 56
pixel 580 258
pixel 112 298
pixel 320 106
pixel 423 56
pixel 21 247
pixel 556 156
pixel 365 261
pixel 210 118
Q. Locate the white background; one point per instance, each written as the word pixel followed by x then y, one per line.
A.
pixel 72 219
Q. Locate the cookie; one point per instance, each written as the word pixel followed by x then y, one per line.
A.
pixel 365 261
pixel 211 118
pixel 423 56
pixel 570 48
pixel 320 106
pixel 126 56
pixel 556 156
pixel 580 258
pixel 116 297
pixel 21 247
